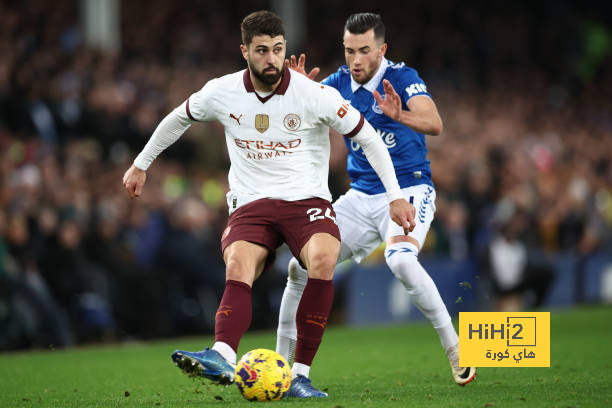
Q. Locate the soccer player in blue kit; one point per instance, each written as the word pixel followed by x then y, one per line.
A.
pixel 402 119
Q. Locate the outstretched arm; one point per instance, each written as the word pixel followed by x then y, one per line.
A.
pixel 422 116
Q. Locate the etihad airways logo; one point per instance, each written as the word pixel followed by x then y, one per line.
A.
pixel 267 145
pixel 261 149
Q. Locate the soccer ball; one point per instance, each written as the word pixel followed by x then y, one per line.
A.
pixel 263 375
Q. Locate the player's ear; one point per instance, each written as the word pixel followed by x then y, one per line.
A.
pixel 245 51
pixel 383 49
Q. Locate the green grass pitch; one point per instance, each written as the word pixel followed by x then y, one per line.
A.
pixel 388 366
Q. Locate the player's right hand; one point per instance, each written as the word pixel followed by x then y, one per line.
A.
pixel 299 66
pixel 133 181
pixel 403 213
pixel 391 104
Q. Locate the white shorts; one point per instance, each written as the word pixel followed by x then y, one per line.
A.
pixel 364 220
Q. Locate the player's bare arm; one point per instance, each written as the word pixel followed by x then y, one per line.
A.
pixel 134 180
pixel 300 66
pixel 422 115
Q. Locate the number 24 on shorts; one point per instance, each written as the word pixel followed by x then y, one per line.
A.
pixel 315 214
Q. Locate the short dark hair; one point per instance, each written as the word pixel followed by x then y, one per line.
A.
pixel 261 22
pixel 359 23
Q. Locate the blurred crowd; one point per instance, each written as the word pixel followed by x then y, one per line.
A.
pixel 522 170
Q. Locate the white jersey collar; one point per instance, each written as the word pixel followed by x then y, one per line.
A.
pixel 373 83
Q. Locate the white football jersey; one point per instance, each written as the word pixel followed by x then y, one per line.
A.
pixel 279 144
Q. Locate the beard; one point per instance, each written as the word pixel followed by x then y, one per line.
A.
pixel 371 71
pixel 269 78
pixel 365 76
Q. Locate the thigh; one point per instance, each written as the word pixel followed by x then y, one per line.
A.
pixel 245 261
pixel 254 223
pixel 423 199
pixel 358 230
pixel 320 255
pixel 298 221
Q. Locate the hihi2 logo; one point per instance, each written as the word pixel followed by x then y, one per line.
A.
pixel 500 339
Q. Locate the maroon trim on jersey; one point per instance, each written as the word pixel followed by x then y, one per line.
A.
pixel 188 111
pixel 280 89
pixel 284 83
pixel 357 128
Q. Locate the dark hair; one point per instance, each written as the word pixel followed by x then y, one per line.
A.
pixel 261 22
pixel 359 23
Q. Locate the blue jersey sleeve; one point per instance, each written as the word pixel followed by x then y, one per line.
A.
pixel 332 80
pixel 409 84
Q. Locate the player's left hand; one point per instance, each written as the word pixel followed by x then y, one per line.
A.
pixel 391 104
pixel 134 180
pixel 299 66
pixel 402 213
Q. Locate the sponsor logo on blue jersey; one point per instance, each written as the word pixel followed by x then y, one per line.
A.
pixel 417 88
pixel 387 137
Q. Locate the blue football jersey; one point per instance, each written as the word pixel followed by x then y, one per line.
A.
pixel 407 147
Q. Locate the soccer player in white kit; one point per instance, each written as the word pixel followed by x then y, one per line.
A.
pixel 276 127
pixel 402 120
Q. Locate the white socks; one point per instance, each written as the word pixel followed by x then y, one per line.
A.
pixel 287 328
pixel 402 259
pixel 300 369
pixel 226 351
pixel 448 336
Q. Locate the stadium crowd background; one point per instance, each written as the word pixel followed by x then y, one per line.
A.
pixel 524 90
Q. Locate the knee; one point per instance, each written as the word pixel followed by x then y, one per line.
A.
pixel 400 256
pixel 403 262
pixel 321 264
pixel 238 271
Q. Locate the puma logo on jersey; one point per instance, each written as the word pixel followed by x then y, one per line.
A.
pixel 237 119
pixel 415 89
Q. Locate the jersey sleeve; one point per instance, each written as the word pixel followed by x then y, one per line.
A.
pixel 199 107
pixel 410 84
pixel 332 80
pixel 338 113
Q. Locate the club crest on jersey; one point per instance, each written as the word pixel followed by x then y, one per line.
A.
pixel 292 121
pixel 262 122
pixel 376 108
